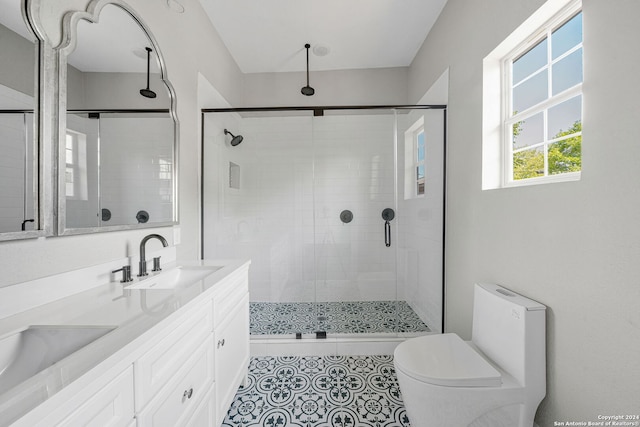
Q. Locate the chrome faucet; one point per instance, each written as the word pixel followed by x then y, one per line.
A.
pixel 143 262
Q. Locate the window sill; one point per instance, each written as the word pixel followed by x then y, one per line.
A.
pixel 565 177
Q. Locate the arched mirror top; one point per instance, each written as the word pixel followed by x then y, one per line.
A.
pixel 118 125
pixel 116 45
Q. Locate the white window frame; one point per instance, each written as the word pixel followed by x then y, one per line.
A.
pixel 542 107
pixel 497 158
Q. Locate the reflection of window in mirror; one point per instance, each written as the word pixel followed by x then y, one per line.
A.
pixel 165 175
pixel 76 169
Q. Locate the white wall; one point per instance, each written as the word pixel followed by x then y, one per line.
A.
pixel 572 246
pixel 17 69
pixel 380 86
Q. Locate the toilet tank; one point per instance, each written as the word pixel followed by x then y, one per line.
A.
pixel 510 330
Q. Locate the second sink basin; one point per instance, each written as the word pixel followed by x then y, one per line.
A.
pixel 178 277
pixel 34 349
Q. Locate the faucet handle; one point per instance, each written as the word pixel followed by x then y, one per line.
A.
pixel 142 269
pixel 156 264
pixel 126 273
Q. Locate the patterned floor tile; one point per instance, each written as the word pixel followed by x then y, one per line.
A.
pixel 314 391
pixel 334 317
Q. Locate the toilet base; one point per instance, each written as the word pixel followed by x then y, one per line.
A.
pixel 430 405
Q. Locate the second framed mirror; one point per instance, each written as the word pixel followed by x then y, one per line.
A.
pixel 118 138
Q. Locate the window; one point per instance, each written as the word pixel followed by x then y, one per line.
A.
pixel 532 100
pixel 543 127
pixel 414 146
pixel 419 160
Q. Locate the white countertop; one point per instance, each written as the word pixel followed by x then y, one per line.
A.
pixel 133 313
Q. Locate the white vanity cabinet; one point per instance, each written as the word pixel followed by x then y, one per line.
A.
pixel 183 371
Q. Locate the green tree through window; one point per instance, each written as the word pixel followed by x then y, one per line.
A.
pixel 563 156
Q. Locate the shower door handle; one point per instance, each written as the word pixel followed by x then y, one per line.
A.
pixel 387 233
pixel 387 214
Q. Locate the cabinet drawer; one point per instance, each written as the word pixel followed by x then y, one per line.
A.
pixel 228 296
pixel 111 406
pixel 156 367
pixel 176 403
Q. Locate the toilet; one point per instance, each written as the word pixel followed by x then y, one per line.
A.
pixel 497 379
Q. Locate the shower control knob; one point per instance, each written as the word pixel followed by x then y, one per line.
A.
pixel 346 216
pixel 388 214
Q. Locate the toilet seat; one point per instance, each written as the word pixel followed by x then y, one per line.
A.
pixel 445 360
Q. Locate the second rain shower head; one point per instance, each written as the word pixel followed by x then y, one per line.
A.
pixel 307 90
pixel 235 139
pixel 146 92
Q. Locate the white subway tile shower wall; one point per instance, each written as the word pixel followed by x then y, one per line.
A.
pixel 130 153
pixel 297 175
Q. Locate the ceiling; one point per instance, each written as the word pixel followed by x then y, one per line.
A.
pixel 269 36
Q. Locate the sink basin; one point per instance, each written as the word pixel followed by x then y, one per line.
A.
pixel 34 349
pixel 178 277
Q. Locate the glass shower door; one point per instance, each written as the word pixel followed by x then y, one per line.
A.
pixel 258 205
pixel 421 169
pixel 327 208
pixel 355 254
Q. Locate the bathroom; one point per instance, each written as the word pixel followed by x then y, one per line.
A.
pixel 571 246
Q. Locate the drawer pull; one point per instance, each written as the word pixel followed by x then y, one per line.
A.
pixel 221 343
pixel 187 394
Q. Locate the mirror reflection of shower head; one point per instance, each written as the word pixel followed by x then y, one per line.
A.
pixel 307 90
pixel 235 139
pixel 146 92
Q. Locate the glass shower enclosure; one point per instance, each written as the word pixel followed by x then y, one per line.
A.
pixel 337 213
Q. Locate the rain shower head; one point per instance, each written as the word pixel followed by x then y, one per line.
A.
pixel 235 139
pixel 146 92
pixel 307 90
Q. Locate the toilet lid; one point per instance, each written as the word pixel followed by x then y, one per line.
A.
pixel 445 359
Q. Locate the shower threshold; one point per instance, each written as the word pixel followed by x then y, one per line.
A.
pixel 334 344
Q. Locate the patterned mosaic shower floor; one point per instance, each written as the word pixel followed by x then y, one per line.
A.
pixel 334 317
pixel 330 391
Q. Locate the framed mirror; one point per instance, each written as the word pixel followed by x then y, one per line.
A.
pixel 118 138
pixel 19 117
